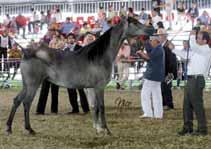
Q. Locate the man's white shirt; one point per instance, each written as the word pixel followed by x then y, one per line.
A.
pixel 199 58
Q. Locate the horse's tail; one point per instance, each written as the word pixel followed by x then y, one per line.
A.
pixel 25 51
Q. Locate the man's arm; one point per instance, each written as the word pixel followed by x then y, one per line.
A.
pixel 145 56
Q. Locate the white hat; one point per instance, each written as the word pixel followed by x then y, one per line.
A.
pixel 154 37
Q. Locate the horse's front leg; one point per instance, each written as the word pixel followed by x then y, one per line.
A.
pixel 100 110
pixel 27 118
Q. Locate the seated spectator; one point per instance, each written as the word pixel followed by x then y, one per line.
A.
pixel 155 18
pixel 85 28
pixel 54 42
pixel 111 12
pixel 143 16
pixel 122 11
pixel 88 38
pixel 54 25
pixel 204 18
pixel 180 13
pixel 193 13
pixel 67 26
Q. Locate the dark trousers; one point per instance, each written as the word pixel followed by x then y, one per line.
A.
pixel 73 100
pixel 24 30
pixel 193 102
pixel 54 93
pixel 44 96
pixel 167 94
pixel 3 53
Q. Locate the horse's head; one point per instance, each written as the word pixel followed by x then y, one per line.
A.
pixel 134 28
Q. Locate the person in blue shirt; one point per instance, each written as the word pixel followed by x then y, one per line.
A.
pixel 153 77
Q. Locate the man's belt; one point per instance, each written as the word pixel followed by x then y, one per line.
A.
pixel 195 76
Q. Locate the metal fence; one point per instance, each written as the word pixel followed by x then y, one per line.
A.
pixel 82 7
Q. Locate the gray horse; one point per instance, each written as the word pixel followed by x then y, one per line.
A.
pixel 90 67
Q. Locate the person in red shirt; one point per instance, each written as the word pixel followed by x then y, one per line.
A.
pixel 21 23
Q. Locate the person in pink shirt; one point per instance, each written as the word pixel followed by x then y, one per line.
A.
pixel 123 64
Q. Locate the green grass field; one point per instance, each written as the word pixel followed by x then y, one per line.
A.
pixel 75 131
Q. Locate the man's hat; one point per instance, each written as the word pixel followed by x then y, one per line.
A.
pixel 154 37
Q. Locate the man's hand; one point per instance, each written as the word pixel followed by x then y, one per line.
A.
pixel 143 55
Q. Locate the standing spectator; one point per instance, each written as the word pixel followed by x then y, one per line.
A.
pixel 13 26
pixel 183 64
pixel 153 77
pixel 43 19
pixel 5 44
pixel 198 69
pixel 6 21
pixel 33 19
pixel 72 46
pixel 170 71
pixel 21 23
pixel 123 64
pixel 48 17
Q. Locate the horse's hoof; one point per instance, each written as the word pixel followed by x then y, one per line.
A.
pixel 31 132
pixel 108 132
pixel 8 131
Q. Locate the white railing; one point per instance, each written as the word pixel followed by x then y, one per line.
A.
pixel 83 6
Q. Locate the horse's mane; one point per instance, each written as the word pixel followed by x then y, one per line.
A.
pixel 97 48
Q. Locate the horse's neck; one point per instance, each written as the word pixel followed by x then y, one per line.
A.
pixel 117 37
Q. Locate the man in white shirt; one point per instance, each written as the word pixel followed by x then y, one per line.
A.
pixel 199 61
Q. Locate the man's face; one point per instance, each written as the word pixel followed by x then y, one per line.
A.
pixel 71 40
pixel 154 43
pixel 185 44
pixel 200 40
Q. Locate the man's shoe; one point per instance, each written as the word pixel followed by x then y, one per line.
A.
pixel 144 117
pixel 40 113
pixel 167 108
pixel 199 133
pixel 72 112
pixel 184 132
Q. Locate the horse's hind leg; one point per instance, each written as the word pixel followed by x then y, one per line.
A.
pixel 17 101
